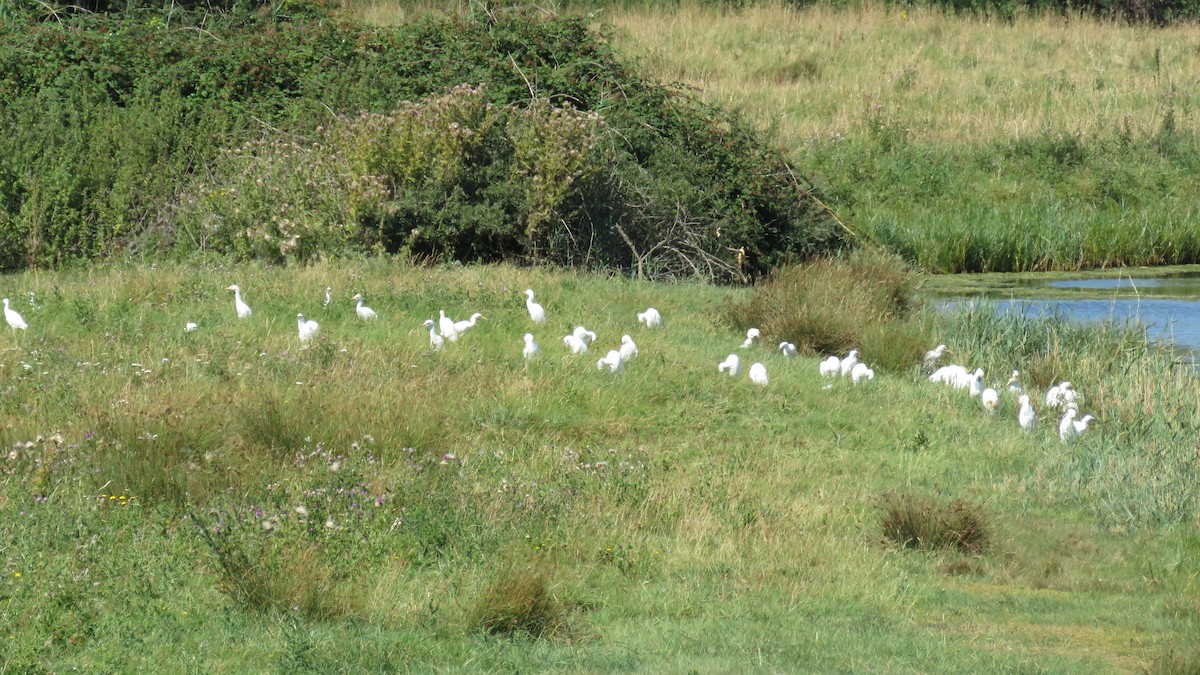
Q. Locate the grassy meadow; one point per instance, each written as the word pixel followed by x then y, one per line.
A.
pixel 229 499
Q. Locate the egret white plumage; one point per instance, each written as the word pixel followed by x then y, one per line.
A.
pixel 831 366
pixel 189 327
pixel 628 349
pixel 243 310
pixel 932 356
pixel 1056 395
pixel 1081 425
pixel 536 312
pixel 990 400
pixel 1014 386
pixel 976 385
pixel 861 372
pixel 446 326
pixel 461 327
pixel 576 345
pixel 307 329
pixel 758 374
pixel 788 349
pixel 650 318
pixel 751 335
pixel 1026 416
pixel 436 342
pixel 364 313
pixel 14 318
pixel 951 375
pixel 847 364
pixel 584 334
pixel 1068 393
pixel 328 295
pixel 531 350
pixel 1069 428
pixel 732 365
pixel 612 361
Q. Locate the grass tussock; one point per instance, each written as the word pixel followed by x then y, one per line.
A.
pixel 519 600
pixel 865 301
pixel 911 521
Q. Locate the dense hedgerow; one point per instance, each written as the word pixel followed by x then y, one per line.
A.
pixel 126 129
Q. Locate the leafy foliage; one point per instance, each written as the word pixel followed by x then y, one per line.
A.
pixel 566 155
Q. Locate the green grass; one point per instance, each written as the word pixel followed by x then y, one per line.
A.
pixel 465 510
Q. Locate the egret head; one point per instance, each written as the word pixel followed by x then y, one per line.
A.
pixel 234 287
pixel 1024 400
pixel 429 324
pixel 529 293
pixel 528 337
pixel 357 296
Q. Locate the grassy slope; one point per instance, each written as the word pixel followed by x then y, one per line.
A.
pixel 685 520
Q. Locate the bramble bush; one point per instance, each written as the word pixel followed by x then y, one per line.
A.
pixel 499 134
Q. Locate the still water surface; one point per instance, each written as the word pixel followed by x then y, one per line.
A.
pixel 1169 306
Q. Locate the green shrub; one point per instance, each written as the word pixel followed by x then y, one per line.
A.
pixel 568 155
pixel 866 301
pixel 917 522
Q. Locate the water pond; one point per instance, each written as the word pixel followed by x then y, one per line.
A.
pixel 1166 300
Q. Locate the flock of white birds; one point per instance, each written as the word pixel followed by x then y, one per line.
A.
pixel 1062 396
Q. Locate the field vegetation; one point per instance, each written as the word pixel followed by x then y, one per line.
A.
pixel 229 498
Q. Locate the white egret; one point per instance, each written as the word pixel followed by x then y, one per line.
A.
pixel 612 361
pixel 860 372
pixel 932 356
pixel 364 313
pixel 243 310
pixel 1066 430
pixel 758 374
pixel 650 318
pixel 976 385
pixel 1069 394
pixel 990 400
pixel 628 349
pixel 950 375
pixel 788 349
pixel 732 365
pixel 307 329
pixel 751 335
pixel 847 364
pixel 328 295
pixel 1026 417
pixel 584 334
pixel 189 327
pixel 536 312
pixel 446 325
pixel 1056 396
pixel 1081 425
pixel 13 317
pixel 1014 387
pixel 461 327
pixel 531 350
pixel 831 366
pixel 576 345
pixel 436 342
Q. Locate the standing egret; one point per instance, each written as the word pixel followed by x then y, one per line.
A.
pixel 758 374
pixel 990 400
pixel 650 318
pixel 788 349
pixel 847 364
pixel 860 372
pixel 436 342
pixel 1081 425
pixel 531 350
pixel 1026 417
pixel 1066 427
pixel 751 335
pixel 932 356
pixel 189 327
pixel 1069 395
pixel 950 375
pixel 628 349
pixel 243 310
pixel 576 345
pixel 307 329
pixel 13 317
pixel 1056 396
pixel 461 327
pixel 584 334
pixel 732 365
pixel 328 295
pixel 612 361
pixel 831 366
pixel 536 312
pixel 446 325
pixel 364 313
pixel 1014 387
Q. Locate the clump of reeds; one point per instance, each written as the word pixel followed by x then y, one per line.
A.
pixel 922 522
